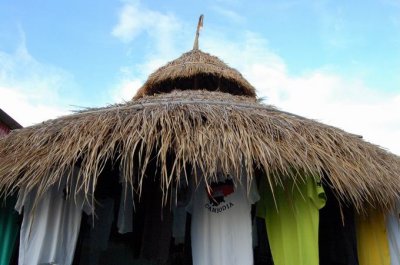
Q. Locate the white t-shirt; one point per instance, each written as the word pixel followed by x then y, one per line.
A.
pixel 221 230
pixel 50 229
pixel 393 232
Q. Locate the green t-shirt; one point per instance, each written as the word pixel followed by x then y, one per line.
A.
pixel 291 215
pixel 8 229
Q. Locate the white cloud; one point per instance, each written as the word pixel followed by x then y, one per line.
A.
pixel 126 89
pixel 135 19
pixel 20 107
pixel 31 91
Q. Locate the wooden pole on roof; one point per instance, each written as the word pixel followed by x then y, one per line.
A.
pixel 196 47
pixel 196 39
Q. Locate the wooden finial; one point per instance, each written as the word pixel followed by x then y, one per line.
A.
pixel 196 39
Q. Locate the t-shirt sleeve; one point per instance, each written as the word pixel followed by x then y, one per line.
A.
pixel 316 192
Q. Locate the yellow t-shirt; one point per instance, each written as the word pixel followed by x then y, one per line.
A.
pixel 372 241
pixel 292 220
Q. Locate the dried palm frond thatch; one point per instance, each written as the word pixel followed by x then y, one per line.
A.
pixel 196 70
pixel 206 129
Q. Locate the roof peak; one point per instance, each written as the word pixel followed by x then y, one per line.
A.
pixel 196 70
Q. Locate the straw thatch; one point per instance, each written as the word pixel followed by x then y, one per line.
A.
pixel 195 70
pixel 204 129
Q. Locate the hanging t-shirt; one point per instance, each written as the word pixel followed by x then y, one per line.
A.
pixel 372 240
pixel 178 224
pixel 100 230
pixel 393 231
pixel 291 215
pixel 221 222
pixel 337 233
pixel 179 214
pixel 50 228
pixel 8 229
pixel 262 251
pixel 157 228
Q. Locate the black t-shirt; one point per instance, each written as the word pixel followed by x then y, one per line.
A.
pixel 337 238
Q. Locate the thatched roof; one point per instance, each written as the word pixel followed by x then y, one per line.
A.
pixel 196 112
pixel 197 127
pixel 196 70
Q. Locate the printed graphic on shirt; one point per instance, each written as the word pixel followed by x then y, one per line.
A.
pixel 217 193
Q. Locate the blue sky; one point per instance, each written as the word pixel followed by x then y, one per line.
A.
pixel 334 61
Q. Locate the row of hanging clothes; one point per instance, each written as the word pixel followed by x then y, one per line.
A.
pixel 230 220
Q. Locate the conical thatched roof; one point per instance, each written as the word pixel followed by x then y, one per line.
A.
pixel 196 70
pixel 197 127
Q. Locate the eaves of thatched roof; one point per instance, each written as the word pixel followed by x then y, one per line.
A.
pixel 197 127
